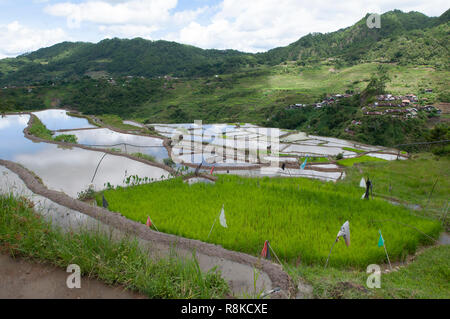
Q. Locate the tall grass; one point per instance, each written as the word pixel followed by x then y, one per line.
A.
pixel 299 217
pixel 25 233
pixel 145 156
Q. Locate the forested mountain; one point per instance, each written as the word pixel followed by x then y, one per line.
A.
pixel 400 33
pixel 405 38
pixel 120 57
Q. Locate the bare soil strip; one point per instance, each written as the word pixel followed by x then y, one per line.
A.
pixel 22 279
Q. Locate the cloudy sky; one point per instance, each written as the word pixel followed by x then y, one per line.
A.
pixel 246 25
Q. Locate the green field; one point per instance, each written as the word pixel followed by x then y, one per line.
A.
pixel 428 276
pixel 300 217
pixel 363 159
pixel 253 95
pixel 410 181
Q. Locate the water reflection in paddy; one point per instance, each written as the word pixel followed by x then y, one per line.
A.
pixel 104 136
pixel 66 169
pixel 128 143
pixel 59 120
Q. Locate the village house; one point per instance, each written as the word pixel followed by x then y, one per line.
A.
pixel 430 108
pixel 399 111
pixel 412 97
pixel 329 100
pixel 406 102
pixel 373 113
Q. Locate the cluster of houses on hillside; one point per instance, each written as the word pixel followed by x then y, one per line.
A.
pixel 329 100
pixel 390 100
pixel 406 106
pixel 398 106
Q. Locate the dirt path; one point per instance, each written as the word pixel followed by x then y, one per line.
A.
pixel 22 279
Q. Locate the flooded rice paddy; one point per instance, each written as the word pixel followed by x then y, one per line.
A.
pixel 246 150
pixel 67 169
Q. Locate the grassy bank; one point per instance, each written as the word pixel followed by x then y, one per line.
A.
pixel 349 162
pixel 38 129
pixel 428 276
pixel 24 233
pixel 300 217
pixel 409 180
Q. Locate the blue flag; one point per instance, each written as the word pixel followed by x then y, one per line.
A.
pixel 105 202
pixel 380 241
pixel 304 163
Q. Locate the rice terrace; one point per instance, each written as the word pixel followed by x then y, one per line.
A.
pixel 156 170
pixel 296 215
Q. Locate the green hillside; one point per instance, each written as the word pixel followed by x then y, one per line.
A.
pixel 119 57
pixel 399 31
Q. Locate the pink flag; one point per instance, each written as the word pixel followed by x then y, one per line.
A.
pixel 212 170
pixel 149 222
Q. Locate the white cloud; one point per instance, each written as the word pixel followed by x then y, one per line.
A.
pixel 16 38
pixel 125 18
pixel 260 25
pixel 127 31
pixel 136 12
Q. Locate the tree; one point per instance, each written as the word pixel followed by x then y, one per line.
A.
pixel 439 133
pixel 377 84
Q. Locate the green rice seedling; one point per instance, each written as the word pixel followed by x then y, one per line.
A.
pixel 300 217
pixel 363 159
pixel 350 149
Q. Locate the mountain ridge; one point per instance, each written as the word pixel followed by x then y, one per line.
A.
pixel 411 37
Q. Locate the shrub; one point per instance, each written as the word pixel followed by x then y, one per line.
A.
pixel 169 162
pixel 67 138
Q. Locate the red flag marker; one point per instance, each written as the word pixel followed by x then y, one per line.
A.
pixel 212 170
pixel 149 222
pixel 264 250
pixel 265 253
